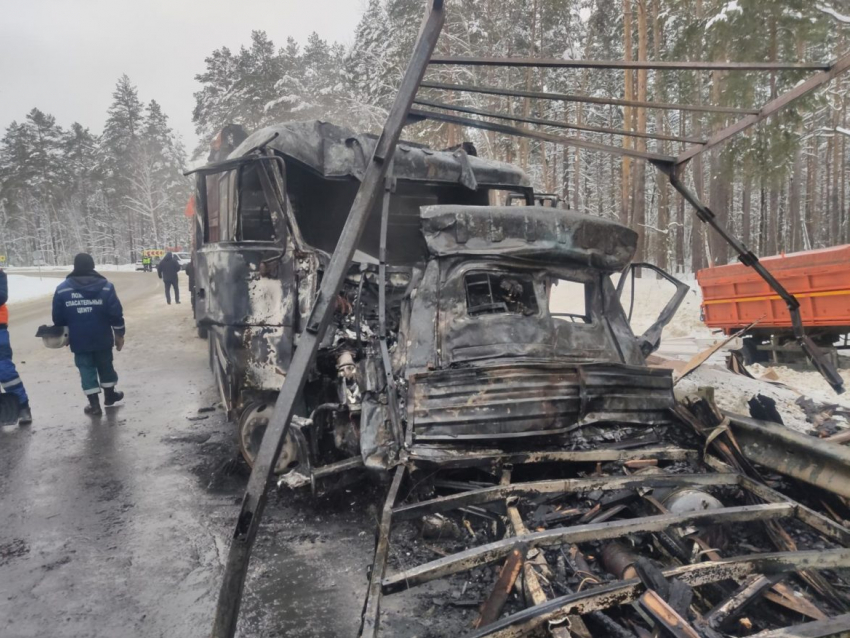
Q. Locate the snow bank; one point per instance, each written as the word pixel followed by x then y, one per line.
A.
pixel 69 268
pixel 24 288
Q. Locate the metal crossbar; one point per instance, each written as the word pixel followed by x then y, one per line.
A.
pixel 559 63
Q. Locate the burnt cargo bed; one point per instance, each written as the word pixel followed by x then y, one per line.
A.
pixel 682 544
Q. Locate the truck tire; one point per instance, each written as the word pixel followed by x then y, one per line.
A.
pixel 750 351
pixel 203 332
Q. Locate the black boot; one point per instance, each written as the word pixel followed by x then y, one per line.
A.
pixel 25 415
pixel 111 396
pixel 93 408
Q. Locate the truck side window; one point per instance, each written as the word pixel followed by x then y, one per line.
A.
pixel 489 293
pixel 255 219
pixel 213 210
pixel 568 300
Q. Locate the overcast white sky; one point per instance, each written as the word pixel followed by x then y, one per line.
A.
pixel 64 56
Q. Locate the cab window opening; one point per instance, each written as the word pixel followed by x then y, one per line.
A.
pixel 569 300
pixel 254 217
pixel 489 293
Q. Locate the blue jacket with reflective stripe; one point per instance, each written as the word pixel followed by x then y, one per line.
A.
pixel 90 308
pixel 4 289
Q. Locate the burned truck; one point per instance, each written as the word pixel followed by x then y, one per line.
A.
pixel 462 322
pixel 479 354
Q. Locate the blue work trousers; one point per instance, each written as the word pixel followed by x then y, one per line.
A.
pixel 10 382
pixel 96 370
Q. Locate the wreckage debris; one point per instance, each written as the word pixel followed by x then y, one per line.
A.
pixel 690 548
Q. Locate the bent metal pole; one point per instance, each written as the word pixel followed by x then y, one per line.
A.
pixel 253 503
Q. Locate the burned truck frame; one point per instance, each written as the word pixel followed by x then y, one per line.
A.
pixel 449 302
pixel 589 453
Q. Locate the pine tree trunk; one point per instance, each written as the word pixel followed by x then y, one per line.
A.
pixel 698 229
pixel 794 196
pixel 746 210
pixel 529 75
pixel 639 224
pixel 661 246
pixel 625 183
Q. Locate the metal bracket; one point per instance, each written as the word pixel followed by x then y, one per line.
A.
pixel 748 258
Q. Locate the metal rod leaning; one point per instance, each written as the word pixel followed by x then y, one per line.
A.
pixel 254 501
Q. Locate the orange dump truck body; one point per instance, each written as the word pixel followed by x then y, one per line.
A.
pixel 734 296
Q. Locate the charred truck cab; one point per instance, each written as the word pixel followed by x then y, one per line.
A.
pixel 463 325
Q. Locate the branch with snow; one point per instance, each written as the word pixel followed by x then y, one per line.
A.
pixel 843 19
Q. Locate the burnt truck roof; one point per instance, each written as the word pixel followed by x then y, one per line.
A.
pixel 337 152
pixel 528 232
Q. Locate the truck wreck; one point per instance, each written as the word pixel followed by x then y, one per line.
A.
pixel 456 333
pixel 529 444
pixel 489 350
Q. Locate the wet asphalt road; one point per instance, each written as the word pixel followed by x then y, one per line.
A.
pixel 118 526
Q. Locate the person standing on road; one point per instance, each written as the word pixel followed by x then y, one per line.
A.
pixel 88 305
pixel 146 263
pixel 168 269
pixel 9 380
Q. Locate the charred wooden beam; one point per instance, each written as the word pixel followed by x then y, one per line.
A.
pixel 492 552
pixel 801 90
pixel 529 575
pixel 666 616
pixel 837 627
pixel 625 592
pixel 451 457
pixel 560 63
pixel 564 486
pixel 749 592
pixel 539 135
pixel 826 526
pixel 557 124
pixel 492 607
pixel 586 99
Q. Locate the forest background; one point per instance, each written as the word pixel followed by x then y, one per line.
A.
pixel 782 187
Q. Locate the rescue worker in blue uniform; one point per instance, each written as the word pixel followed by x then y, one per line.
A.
pixel 9 380
pixel 88 305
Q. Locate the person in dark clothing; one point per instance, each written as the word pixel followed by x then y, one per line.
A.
pixel 88 305
pixel 168 269
pixel 9 380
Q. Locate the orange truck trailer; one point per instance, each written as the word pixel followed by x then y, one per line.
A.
pixel 734 297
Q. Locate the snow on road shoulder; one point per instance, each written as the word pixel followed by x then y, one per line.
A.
pixel 25 287
pixel 69 268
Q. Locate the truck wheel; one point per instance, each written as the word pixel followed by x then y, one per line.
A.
pixel 203 332
pixel 750 351
pixel 252 426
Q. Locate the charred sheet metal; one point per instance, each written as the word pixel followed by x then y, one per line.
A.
pixel 813 461
pixel 542 234
pixel 515 400
pixel 336 152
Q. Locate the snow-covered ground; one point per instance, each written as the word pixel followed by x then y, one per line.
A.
pixel 26 284
pixel 687 336
pixel 25 287
pixel 69 268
